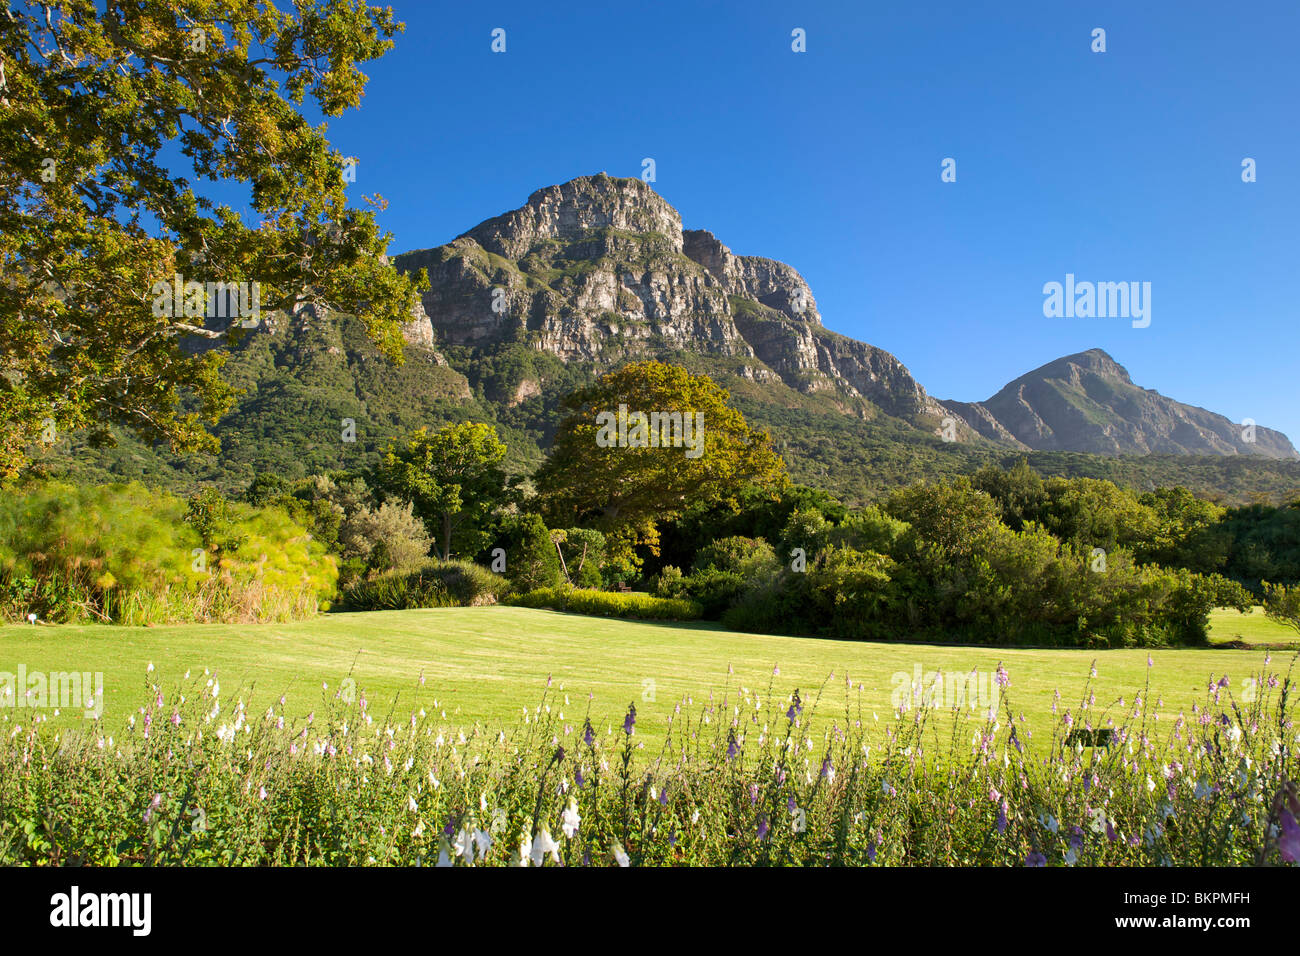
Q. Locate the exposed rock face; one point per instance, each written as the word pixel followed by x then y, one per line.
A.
pixel 766 281
pixel 1088 402
pixel 598 269
pixel 572 209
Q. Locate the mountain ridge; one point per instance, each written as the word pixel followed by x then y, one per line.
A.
pixel 598 270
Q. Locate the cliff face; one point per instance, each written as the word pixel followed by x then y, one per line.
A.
pixel 1088 402
pixel 598 270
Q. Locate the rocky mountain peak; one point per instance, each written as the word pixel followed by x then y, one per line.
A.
pixel 570 210
pixel 1093 361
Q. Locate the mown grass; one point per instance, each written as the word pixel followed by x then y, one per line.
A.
pixel 1228 627
pixel 485 665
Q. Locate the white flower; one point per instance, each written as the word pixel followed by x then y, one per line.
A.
pixel 1071 857
pixel 412 805
pixel 464 845
pixel 419 830
pixel 542 845
pixel 482 842
pixel 444 853
pixel 619 856
pixel 570 819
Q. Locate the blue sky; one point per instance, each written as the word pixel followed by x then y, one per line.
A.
pixel 1115 166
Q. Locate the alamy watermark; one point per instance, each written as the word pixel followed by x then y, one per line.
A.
pixel 1102 300
pixel 214 300
pixel 38 690
pixel 948 689
pixel 655 430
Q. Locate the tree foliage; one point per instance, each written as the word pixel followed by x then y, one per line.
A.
pixel 621 485
pixel 104 105
pixel 454 479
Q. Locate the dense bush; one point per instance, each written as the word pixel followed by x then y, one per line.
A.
pixel 386 538
pixel 956 573
pixel 435 583
pixel 631 604
pixel 124 553
pixel 745 556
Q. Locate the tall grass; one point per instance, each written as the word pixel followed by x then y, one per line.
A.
pixel 126 554
pixel 198 778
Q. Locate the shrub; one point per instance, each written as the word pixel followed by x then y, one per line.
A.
pixel 386 538
pixel 610 604
pixel 668 583
pixel 744 556
pixel 436 583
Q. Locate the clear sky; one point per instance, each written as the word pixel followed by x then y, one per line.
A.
pixel 1117 166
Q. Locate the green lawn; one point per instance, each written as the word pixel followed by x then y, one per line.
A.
pixel 1228 626
pixel 486 664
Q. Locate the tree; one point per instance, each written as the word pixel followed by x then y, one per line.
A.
pixel 1019 492
pixel 112 264
pixel 453 477
pixel 531 558
pixel 1282 604
pixel 647 441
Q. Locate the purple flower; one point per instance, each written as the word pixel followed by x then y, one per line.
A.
pixel 762 827
pixel 1289 839
pixel 629 722
pixel 796 708
pixel 1002 817
pixel 732 749
pixel 871 851
pixel 1035 859
pixel 791 804
pixel 588 735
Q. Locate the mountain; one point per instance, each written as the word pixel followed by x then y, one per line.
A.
pixel 599 270
pixel 1088 403
pixel 530 305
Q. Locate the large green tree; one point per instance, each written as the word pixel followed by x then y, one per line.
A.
pixel 453 477
pixel 606 468
pixel 112 117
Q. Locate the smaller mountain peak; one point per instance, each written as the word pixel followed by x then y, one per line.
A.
pixel 1095 361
